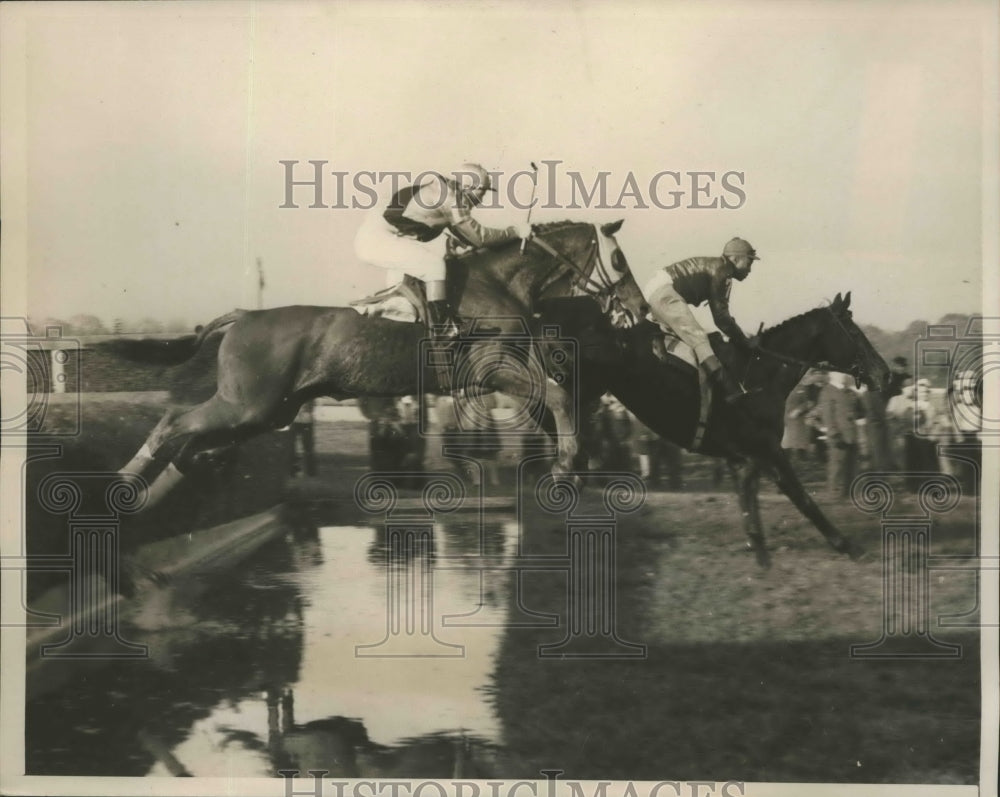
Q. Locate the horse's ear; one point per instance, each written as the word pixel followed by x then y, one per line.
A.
pixel 835 304
pixel 612 227
pixel 847 300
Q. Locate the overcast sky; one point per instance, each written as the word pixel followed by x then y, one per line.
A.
pixel 154 135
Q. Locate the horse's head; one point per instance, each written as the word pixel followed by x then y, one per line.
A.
pixel 627 304
pixel 846 348
pixel 596 266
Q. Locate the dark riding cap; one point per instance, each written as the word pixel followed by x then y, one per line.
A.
pixel 737 247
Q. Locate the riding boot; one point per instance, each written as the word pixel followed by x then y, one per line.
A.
pixel 442 322
pixel 729 384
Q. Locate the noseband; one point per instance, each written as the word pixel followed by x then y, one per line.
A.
pixel 603 291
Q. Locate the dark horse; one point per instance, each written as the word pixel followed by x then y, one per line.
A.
pixel 270 361
pixel 664 394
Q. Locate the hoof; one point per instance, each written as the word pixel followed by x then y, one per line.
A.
pixel 563 476
pixel 158 578
pixel 760 552
pixel 133 574
pixel 138 464
pixel 855 551
pixel 849 548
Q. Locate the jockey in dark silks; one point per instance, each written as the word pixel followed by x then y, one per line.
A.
pixel 407 235
pixel 697 280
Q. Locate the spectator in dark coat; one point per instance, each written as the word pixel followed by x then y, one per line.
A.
pixel 615 432
pixel 899 415
pixel 798 436
pixel 814 381
pixel 913 420
pixel 659 457
pixel 898 377
pixel 410 410
pixel 877 430
pixel 921 445
pixel 386 440
pixel 839 408
pixel 304 440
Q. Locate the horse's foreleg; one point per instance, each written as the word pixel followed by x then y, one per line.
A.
pixel 560 403
pixel 558 420
pixel 589 434
pixel 746 476
pixel 788 482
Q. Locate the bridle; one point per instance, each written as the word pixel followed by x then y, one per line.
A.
pixel 857 369
pixel 604 291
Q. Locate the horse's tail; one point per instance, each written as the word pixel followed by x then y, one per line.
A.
pixel 172 351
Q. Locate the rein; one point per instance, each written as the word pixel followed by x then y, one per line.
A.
pixel 788 360
pixel 857 370
pixel 583 280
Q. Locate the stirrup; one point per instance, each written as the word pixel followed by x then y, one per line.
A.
pixel 446 331
pixel 744 393
pixel 441 321
pixel 733 390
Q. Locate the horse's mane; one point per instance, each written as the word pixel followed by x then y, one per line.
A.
pixel 559 226
pixel 539 229
pixel 783 325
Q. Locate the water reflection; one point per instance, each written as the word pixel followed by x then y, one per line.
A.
pixel 260 670
pixel 343 747
pixel 212 641
pixel 347 609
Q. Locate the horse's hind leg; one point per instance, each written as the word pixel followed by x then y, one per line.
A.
pixel 144 456
pixel 210 423
pixel 746 476
pixel 789 484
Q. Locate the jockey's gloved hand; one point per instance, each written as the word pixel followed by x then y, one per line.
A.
pixel 455 245
pixel 524 230
pixel 753 343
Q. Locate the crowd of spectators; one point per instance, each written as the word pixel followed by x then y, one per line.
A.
pixel 910 430
pixel 830 423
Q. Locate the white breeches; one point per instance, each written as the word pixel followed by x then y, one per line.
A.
pixel 670 309
pixel 377 244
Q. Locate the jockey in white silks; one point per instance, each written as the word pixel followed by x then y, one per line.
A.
pixel 696 280
pixel 407 236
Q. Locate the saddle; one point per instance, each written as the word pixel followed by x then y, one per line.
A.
pixel 406 302
pixel 669 349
